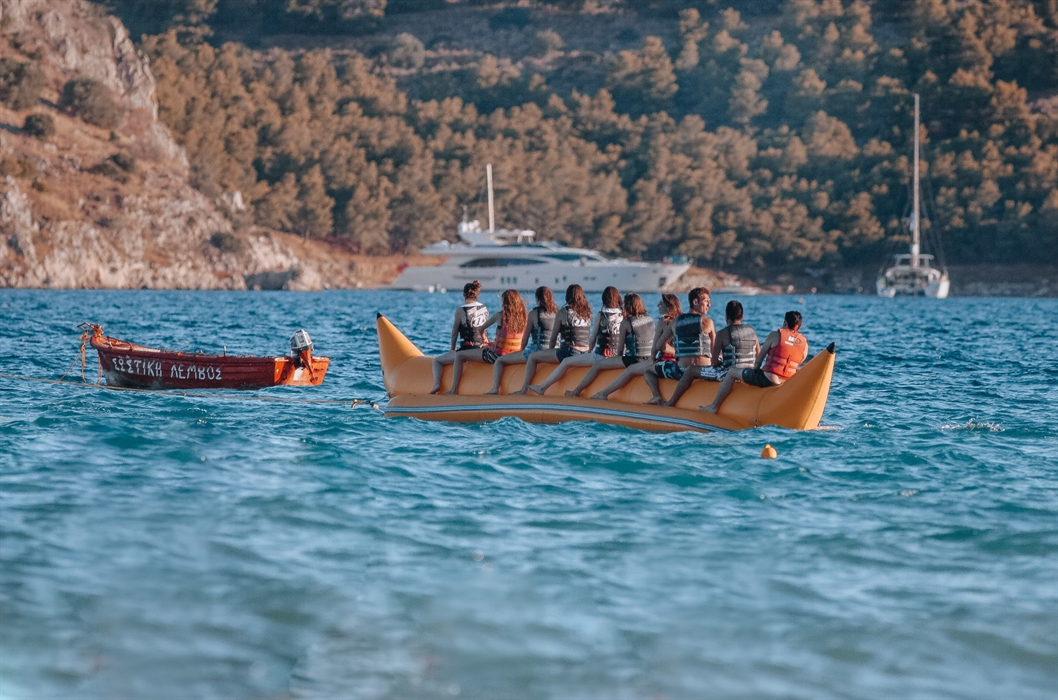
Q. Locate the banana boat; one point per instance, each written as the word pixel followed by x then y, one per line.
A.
pixel 797 404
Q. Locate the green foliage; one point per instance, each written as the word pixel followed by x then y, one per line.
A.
pixel 39 125
pixel 548 40
pixel 226 242
pixel 20 83
pixel 746 142
pixel 406 51
pixel 109 168
pixel 91 101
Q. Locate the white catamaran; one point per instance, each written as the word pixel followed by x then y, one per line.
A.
pixel 514 259
pixel 914 274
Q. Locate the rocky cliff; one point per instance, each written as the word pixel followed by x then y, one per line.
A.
pixel 92 207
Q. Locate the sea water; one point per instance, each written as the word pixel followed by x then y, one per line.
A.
pixel 157 545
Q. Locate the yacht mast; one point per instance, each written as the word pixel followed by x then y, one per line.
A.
pixel 914 210
pixel 492 212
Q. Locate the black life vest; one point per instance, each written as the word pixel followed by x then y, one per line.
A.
pixel 740 350
pixel 640 338
pixel 540 335
pixel 575 331
pixel 470 327
pixel 606 339
pixel 689 339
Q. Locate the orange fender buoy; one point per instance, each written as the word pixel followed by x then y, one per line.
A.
pixel 769 452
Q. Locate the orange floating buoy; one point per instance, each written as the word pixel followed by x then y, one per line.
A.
pixel 769 452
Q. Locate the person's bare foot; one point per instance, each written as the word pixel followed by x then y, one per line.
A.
pixel 435 390
pixel 655 401
pixel 572 394
pixel 492 392
pixel 520 392
pixel 600 396
pixel 536 389
pixel 708 409
pixel 666 404
pixel 451 392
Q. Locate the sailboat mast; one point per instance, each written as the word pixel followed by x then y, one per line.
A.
pixel 492 211
pixel 915 247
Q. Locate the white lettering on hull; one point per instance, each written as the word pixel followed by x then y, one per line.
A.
pixel 201 373
pixel 153 368
pixel 137 366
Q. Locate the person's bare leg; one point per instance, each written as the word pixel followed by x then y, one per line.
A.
pixel 722 392
pixel 439 363
pixel 583 360
pixel 461 359
pixel 497 370
pixel 684 384
pixel 652 382
pixel 457 374
pixel 596 367
pixel 588 379
pixel 530 367
pixel 628 375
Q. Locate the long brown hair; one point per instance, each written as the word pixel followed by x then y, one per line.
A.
pixel 513 316
pixel 611 298
pixel 634 306
pixel 672 306
pixel 546 300
pixel 577 302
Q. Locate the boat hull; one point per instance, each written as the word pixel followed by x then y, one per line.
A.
pixel 125 364
pixel 642 278
pixel 933 288
pixel 797 404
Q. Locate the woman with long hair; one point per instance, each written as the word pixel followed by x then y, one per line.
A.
pixel 572 331
pixel 509 332
pixel 537 336
pixel 668 308
pixel 468 328
pixel 635 340
pixel 604 338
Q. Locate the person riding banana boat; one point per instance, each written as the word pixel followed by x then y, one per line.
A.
pixel 693 334
pixel 537 336
pixel 468 328
pixel 604 339
pixel 635 340
pixel 509 337
pixel 734 348
pixel 572 332
pixel 779 359
pixel 668 309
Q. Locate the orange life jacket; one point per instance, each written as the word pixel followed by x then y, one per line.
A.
pixel 784 359
pixel 506 343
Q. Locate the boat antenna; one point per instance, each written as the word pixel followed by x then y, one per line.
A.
pixel 492 211
pixel 915 243
pixel 464 213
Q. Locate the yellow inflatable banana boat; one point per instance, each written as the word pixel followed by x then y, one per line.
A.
pixel 797 404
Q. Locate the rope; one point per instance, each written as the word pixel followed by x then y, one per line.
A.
pixel 176 392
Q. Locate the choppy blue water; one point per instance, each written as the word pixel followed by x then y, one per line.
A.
pixel 156 545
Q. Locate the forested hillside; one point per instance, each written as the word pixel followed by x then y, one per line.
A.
pixel 777 137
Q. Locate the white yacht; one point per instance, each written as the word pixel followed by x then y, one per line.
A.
pixel 514 259
pixel 913 274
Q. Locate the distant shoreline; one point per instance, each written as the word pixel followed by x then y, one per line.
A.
pixel 1024 281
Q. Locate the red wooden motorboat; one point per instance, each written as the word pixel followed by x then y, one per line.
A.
pixel 126 364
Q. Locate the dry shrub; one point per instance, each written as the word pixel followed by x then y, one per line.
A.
pixel 18 167
pixel 226 242
pixel 39 125
pixel 91 101
pixel 109 169
pixel 20 83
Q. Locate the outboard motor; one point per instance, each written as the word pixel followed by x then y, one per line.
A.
pixel 301 349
